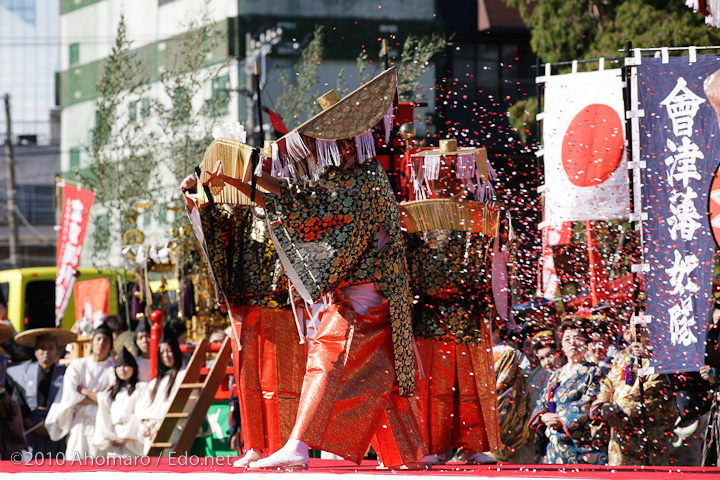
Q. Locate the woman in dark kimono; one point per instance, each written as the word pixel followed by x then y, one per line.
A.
pixel 562 417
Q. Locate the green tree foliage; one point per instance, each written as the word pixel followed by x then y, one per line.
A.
pixel 414 60
pixel 522 116
pixel 563 30
pixel 186 118
pixel 297 102
pixel 122 156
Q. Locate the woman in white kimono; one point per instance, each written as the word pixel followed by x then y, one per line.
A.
pixel 116 424
pixel 74 415
pixel 156 398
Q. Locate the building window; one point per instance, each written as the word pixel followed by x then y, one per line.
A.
pixel 74 53
pixel 161 210
pixel 182 105
pixel 133 110
pixel 36 203
pixel 74 158
pixel 221 94
pixel 145 109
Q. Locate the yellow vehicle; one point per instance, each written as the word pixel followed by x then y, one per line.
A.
pixel 30 296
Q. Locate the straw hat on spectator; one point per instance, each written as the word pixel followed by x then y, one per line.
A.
pixel 29 337
pixel 6 332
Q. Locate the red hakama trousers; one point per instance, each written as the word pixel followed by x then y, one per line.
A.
pixel 350 397
pixel 457 397
pixel 269 373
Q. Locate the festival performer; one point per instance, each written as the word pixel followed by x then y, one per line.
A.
pixel 38 384
pixel 640 422
pixel 117 425
pixel 74 415
pixel 268 355
pixel 338 234
pixel 562 417
pixel 450 262
pixel 709 372
pixel 512 397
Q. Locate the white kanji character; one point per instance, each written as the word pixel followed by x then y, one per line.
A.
pixel 681 319
pixel 680 272
pixel 685 216
pixel 682 105
pixel 682 164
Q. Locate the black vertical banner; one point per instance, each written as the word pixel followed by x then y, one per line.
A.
pixel 680 141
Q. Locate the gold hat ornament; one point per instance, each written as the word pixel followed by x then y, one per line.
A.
pixel 29 337
pixel 342 134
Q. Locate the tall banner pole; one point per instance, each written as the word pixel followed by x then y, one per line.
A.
pixel 591 263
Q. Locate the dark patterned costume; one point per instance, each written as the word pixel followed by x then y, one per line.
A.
pixel 361 366
pixel 270 363
pixel 450 273
pixel 330 229
pixel 243 257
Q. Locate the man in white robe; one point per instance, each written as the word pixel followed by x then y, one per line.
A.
pixel 37 385
pixel 74 415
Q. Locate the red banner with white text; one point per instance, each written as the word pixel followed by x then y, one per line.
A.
pixel 76 206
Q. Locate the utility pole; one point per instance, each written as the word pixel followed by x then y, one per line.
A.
pixel 256 52
pixel 250 87
pixel 11 191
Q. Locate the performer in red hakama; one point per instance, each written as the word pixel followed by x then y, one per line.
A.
pixel 337 231
pixel 450 237
pixel 268 354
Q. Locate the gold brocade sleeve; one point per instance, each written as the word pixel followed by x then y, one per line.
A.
pixel 329 230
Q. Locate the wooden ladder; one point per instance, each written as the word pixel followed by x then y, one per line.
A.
pixel 191 409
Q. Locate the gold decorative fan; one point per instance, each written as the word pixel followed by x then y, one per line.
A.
pixel 450 214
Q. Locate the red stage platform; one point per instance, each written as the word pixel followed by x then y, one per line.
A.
pixel 216 468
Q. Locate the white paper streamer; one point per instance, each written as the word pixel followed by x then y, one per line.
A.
pixel 365 146
pixel 231 130
pixel 328 154
pixel 298 151
pixel 387 121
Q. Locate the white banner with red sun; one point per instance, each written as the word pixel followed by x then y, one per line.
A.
pixel 584 148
